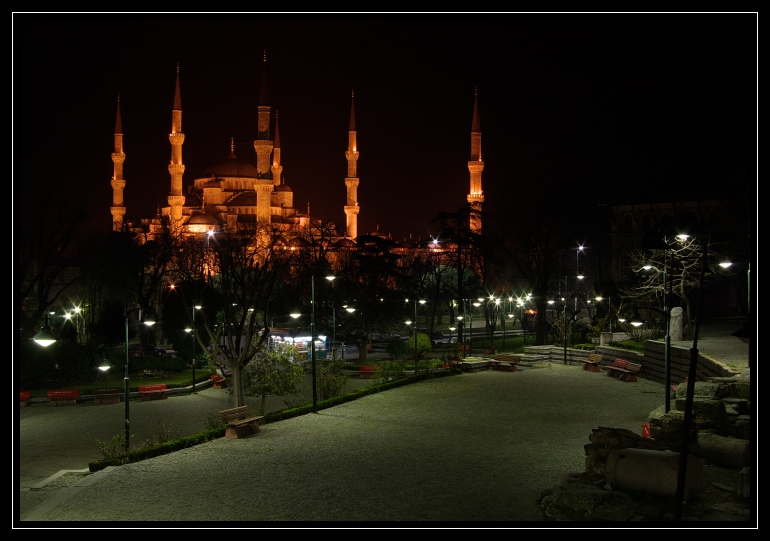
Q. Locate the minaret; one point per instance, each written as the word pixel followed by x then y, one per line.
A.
pixel 118 210
pixel 276 167
pixel 475 166
pixel 176 167
pixel 351 206
pixel 263 146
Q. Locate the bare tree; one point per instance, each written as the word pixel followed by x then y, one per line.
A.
pixel 46 236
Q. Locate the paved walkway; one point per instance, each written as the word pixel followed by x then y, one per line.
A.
pixel 469 448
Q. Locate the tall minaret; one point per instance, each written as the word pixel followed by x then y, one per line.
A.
pixel 351 206
pixel 176 167
pixel 276 168
pixel 118 210
pixel 263 146
pixel 475 166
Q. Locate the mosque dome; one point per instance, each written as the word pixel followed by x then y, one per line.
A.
pixel 232 167
pixel 201 218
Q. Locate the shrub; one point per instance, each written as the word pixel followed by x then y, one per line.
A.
pixel 396 349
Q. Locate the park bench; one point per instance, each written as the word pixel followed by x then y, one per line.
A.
pixel 367 371
pixel 154 392
pixel 593 363
pixel 505 362
pixel 623 370
pixel 240 422
pixel 106 396
pixel 63 397
pixel 24 397
pixel 219 381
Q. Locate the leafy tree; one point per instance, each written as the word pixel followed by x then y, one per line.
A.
pixel 424 345
pixel 368 278
pixel 247 267
pixel 331 380
pixel 273 373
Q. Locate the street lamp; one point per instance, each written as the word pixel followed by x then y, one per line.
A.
pixel 470 330
pixel 45 337
pixel 497 304
pixel 451 330
pixel 460 334
pixel 331 278
pixel 421 301
pixel 149 323
pixel 192 334
pixel 689 397
pixel 313 339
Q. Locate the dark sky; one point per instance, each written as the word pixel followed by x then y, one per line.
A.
pixel 575 109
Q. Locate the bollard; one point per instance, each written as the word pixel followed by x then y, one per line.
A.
pixel 652 472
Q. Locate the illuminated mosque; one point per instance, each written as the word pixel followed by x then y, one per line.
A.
pixel 252 191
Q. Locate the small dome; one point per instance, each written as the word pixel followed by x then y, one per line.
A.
pixel 343 243
pixel 282 188
pixel 201 218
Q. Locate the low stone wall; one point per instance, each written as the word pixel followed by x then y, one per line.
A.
pixel 652 360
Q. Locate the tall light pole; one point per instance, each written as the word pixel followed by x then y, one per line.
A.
pixel 460 335
pixel 564 309
pixel 421 301
pixel 191 330
pixel 691 375
pixel 149 323
pixel 497 303
pixel 313 339
pixel 470 331
pixel 331 278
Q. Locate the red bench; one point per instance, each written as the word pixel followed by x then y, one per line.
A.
pixel 154 392
pixel 367 371
pixel 505 362
pixel 240 422
pixel 593 363
pixel 24 397
pixel 623 370
pixel 219 381
pixel 63 397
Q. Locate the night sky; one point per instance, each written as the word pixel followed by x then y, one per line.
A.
pixel 576 109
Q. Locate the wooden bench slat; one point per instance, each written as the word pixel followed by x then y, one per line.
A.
pixel 593 362
pixel 240 422
pixel 623 369
pixel 154 392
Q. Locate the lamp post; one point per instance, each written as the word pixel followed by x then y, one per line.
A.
pixel 45 337
pixel 192 334
pixel 692 373
pixel 470 329
pixel 460 335
pixel 497 303
pixel 421 301
pixel 313 339
pixel 125 378
pixel 451 330
pixel 564 309
pixel 331 278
